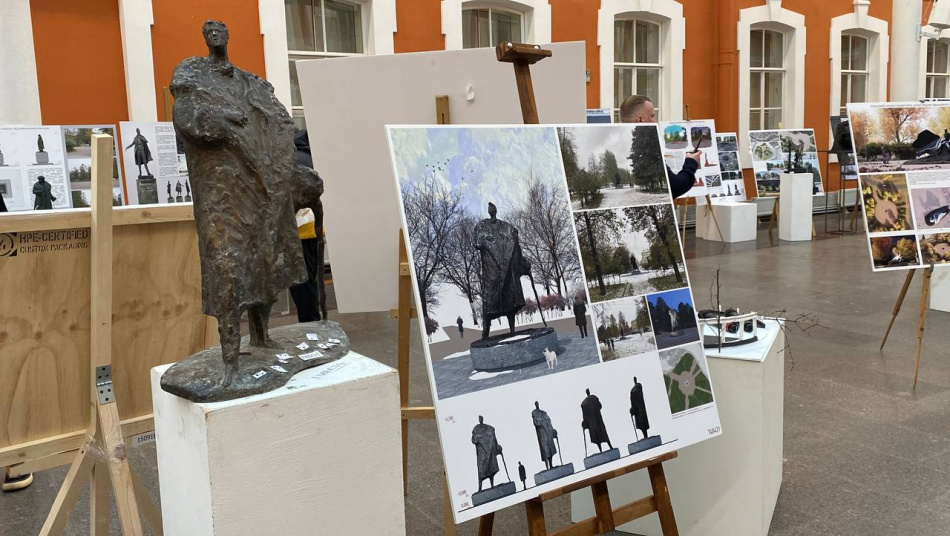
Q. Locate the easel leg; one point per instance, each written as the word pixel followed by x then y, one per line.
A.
pixel 151 512
pixel 854 216
pixel 534 510
pixel 99 501
pixel 922 318
pixel 402 351
pixel 605 514
pixel 685 207
pixel 712 213
pixel 661 494
pixel 485 524
pixel 897 306
pixel 774 219
pixel 448 522
pixel 115 453
pixel 68 494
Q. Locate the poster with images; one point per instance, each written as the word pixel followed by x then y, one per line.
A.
pixel 733 184
pixel 902 152
pixel 547 322
pixel 33 168
pixel 775 151
pixel 155 166
pixel 681 137
pixel 842 148
pixel 77 139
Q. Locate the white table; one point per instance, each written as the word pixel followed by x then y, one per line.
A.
pixel 728 485
pixel 737 221
pixel 320 455
pixel 795 206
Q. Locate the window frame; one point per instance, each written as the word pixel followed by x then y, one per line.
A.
pixel 658 99
pixel 930 73
pixel 479 6
pixel 849 73
pixel 762 73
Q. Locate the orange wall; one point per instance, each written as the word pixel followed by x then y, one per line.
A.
pixel 576 20
pixel 176 35
pixel 419 26
pixel 79 64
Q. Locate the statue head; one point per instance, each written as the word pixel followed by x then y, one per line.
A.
pixel 216 34
pixel 492 210
pixel 41 178
pixel 138 131
pixel 536 406
pixel 588 392
pixel 635 380
pixel 481 420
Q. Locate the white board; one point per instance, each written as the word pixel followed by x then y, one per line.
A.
pixel 348 101
pixel 22 163
pixel 681 137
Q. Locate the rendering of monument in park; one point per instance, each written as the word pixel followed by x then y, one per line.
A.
pixel 595 430
pixel 487 451
pixel 549 445
pixel 235 132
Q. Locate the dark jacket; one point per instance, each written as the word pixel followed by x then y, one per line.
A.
pixel 682 182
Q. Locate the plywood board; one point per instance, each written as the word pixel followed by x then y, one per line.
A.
pixel 348 101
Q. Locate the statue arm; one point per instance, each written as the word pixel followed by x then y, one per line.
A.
pixel 193 116
pixel 308 188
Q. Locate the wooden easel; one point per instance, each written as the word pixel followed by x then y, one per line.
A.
pixel 921 314
pixel 102 459
pixel 711 212
pixel 607 518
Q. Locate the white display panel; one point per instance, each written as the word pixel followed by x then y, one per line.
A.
pixel 27 153
pixel 681 137
pixel 771 151
pixel 731 167
pixel 164 161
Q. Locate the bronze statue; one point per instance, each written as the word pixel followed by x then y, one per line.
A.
pixel 503 265
pixel 142 153
pixel 43 191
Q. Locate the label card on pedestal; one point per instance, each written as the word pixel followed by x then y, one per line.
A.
pixel 561 333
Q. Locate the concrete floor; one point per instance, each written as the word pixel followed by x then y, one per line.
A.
pixel 865 455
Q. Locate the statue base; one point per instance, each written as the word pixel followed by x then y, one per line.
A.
pixel 513 350
pixel 198 378
pixel 42 157
pixel 170 200
pixel 651 442
pixel 187 199
pixel 494 493
pixel 178 199
pixel 601 458
pixel 147 190
pixel 553 473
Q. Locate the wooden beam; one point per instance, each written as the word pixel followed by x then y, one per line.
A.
pixel 69 494
pixel 81 218
pixel 606 476
pixel 419 412
pixel 50 446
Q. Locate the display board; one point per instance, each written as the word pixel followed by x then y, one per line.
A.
pixel 903 156
pixel 77 139
pixel 771 150
pixel 27 153
pixel 591 359
pixel 155 164
pixel 727 143
pixel 680 137
pixel 600 115
pixel 846 164
pixel 346 119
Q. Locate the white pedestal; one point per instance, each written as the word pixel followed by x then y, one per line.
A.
pixel 321 455
pixel 705 227
pixel 728 485
pixel 737 221
pixel 795 205
pixel 940 290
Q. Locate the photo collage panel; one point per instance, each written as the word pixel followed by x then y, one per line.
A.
pixel 682 137
pixel 902 152
pixel 775 152
pixel 561 335
pixel 733 185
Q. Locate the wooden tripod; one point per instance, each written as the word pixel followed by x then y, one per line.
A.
pixel 921 314
pixel 102 459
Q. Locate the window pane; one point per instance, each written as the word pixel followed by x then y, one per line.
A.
pixel 929 91
pixel 940 58
pixel 623 41
pixel 859 53
pixel 647 42
pixel 623 84
pixel 845 89
pixel 774 93
pixel 344 27
pixel 648 84
pixel 506 26
pixel 475 28
pixel 755 89
pixel 773 49
pixel 940 87
pixel 756 55
pixel 845 52
pixel 930 55
pixel 295 99
pixel 299 122
pixel 755 120
pixel 300 31
pixel 773 119
pixel 859 88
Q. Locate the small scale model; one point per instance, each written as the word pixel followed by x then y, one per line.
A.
pixel 594 427
pixel 638 416
pixel 43 192
pixel 549 445
pixel 487 451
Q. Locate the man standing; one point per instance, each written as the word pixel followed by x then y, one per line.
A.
pixel 580 315
pixel 461 328
pixel 503 265
pixel 594 422
pixel 523 475
pixel 142 154
pixel 44 194
pixel 546 435
pixel 639 109
pixel 638 409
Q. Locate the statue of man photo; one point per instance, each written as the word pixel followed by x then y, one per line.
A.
pixel 503 265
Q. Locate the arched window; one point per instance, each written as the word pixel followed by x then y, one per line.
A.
pixel 485 23
pixel 488 26
pixel 938 69
pixel 638 67
pixel 766 79
pixel 855 70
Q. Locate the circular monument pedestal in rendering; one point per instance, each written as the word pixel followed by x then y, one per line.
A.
pixel 513 350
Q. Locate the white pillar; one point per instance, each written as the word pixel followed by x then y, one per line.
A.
pixel 135 22
pixel 274 32
pixel 19 88
pixel 905 51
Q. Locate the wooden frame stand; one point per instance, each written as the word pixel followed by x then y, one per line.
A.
pixel 921 313
pixel 102 459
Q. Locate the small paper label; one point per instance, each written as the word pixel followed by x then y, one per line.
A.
pixel 141 439
pixel 324 346
pixel 333 341
pixel 312 355
pixel 259 375
pixel 278 368
pixel 303 346
pixel 284 356
pixel 313 336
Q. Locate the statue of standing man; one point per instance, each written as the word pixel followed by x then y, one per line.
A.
pixel 43 191
pixel 487 451
pixel 142 153
pixel 594 422
pixel 546 435
pixel 503 265
pixel 638 409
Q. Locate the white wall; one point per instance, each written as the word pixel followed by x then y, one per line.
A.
pixel 19 89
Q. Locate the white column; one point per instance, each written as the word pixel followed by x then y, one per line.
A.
pixel 274 32
pixel 19 89
pixel 135 22
pixel 905 51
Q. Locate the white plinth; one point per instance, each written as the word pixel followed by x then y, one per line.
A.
pixel 795 206
pixel 704 222
pixel 737 221
pixel 728 485
pixel 940 290
pixel 321 455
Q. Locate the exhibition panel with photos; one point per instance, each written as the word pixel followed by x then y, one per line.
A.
pixel 727 143
pixel 585 357
pixel 775 152
pixel 902 152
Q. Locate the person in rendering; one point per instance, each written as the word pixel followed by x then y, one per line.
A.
pixel 546 435
pixel 638 409
pixel 594 422
pixel 487 450
pixel 44 194
pixel 580 315
pixel 503 266
pixel 461 328
pixel 639 109
pixel 142 153
pixel 523 475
